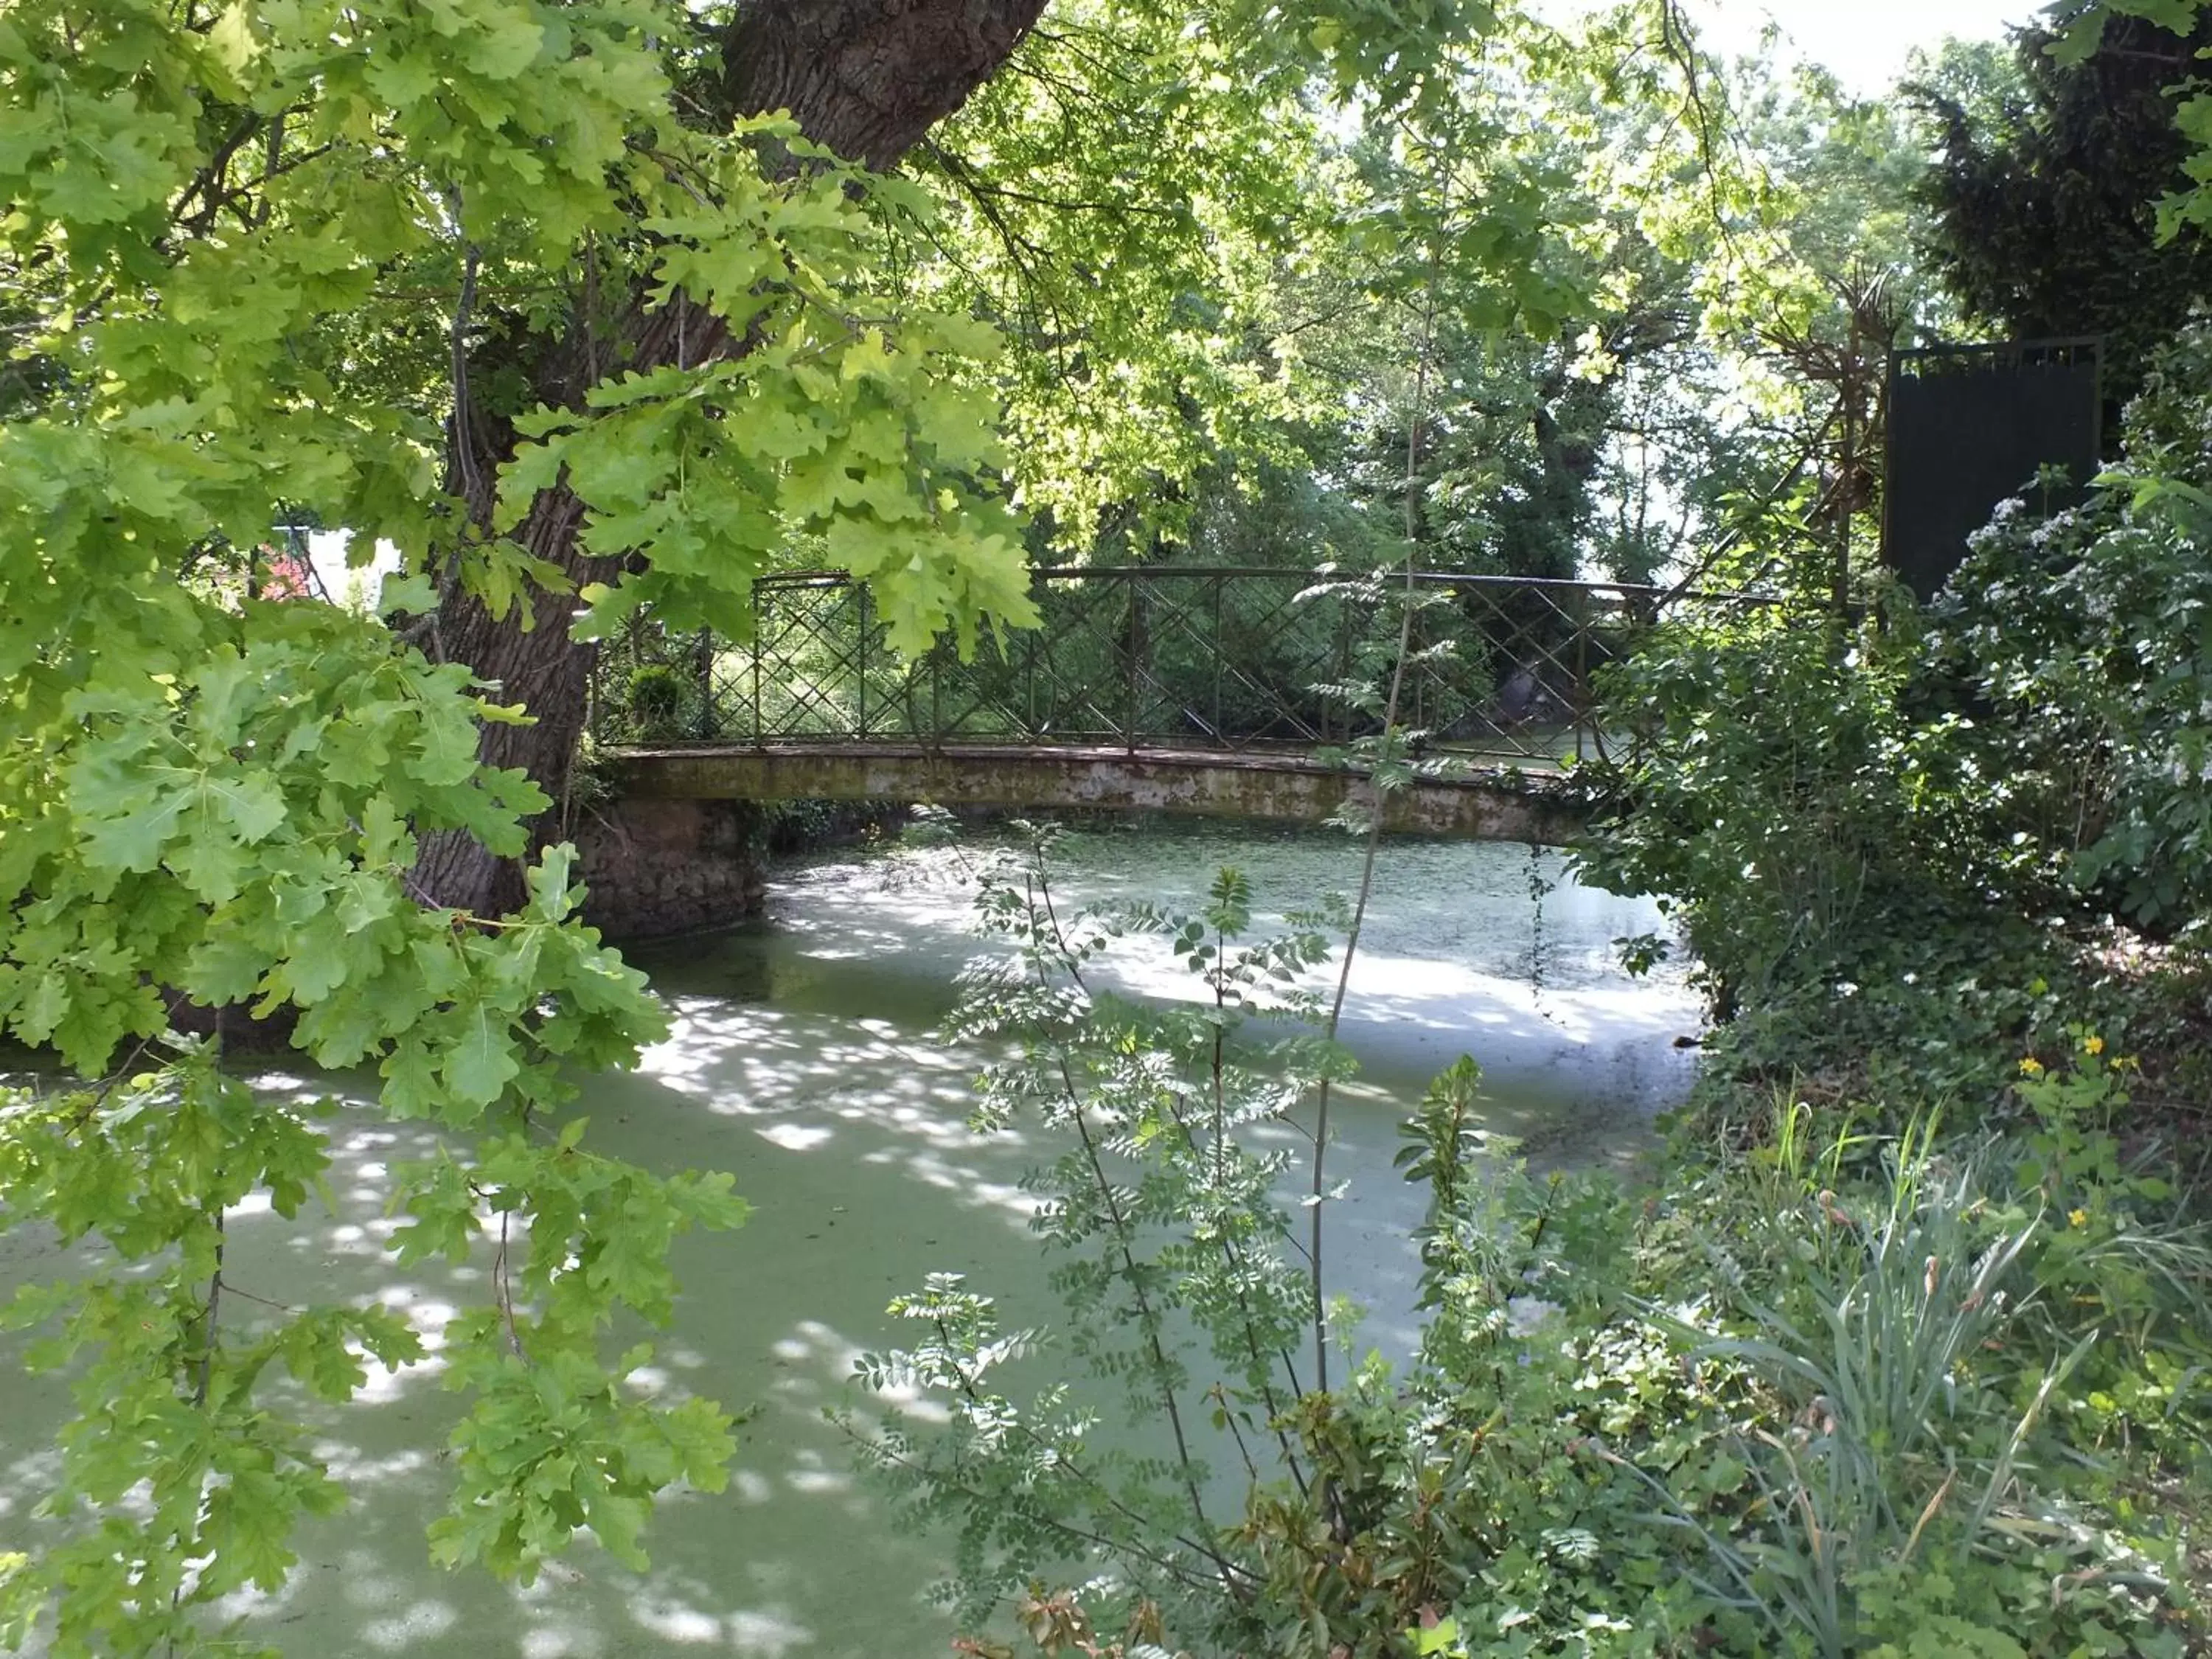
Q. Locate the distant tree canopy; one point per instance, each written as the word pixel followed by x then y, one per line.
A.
pixel 2044 200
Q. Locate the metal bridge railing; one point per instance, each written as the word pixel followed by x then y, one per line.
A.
pixel 1152 657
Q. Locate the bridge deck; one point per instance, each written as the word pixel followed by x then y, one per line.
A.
pixel 1486 804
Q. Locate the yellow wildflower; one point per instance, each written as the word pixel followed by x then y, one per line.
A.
pixel 2093 1045
pixel 2031 1067
pixel 2077 1218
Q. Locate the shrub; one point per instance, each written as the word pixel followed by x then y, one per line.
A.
pixel 656 699
pixel 1828 861
pixel 2086 641
pixel 1899 843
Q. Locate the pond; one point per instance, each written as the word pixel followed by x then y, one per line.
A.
pixel 802 1058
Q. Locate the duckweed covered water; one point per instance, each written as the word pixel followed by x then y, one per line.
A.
pixel 802 1058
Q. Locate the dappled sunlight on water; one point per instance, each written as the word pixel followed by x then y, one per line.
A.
pixel 801 1059
pixel 864 1092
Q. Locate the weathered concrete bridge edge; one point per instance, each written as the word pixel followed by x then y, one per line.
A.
pixel 676 850
pixel 1492 804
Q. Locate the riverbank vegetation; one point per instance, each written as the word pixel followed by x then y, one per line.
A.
pixel 593 315
pixel 1882 1368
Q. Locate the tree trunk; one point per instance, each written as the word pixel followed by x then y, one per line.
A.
pixel 544 670
pixel 867 78
pixel 864 78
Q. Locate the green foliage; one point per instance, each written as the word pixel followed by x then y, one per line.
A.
pixel 251 255
pixel 271 263
pixel 1245 281
pixel 1170 1244
pixel 1583 234
pixel 655 702
pixel 171 1383
pixel 1847 1396
pixel 150 1165
pixel 1826 858
pixel 2044 201
pixel 1906 839
pixel 2085 637
pixel 1118 209
pixel 1874 1359
pixel 1753 1414
pixel 1866 1393
pixel 2187 204
pixel 861 429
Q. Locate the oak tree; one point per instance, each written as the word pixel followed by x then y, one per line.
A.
pixel 584 306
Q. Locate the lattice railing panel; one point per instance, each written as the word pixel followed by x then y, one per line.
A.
pixel 1163 658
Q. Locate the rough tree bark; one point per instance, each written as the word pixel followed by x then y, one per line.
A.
pixel 865 79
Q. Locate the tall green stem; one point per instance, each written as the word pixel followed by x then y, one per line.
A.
pixel 1148 1318
pixel 1419 403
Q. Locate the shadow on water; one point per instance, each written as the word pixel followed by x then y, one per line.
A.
pixel 852 1148
pixel 801 1060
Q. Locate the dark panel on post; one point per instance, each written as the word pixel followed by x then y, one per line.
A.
pixel 1969 426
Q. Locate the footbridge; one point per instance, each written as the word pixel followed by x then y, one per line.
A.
pixel 1249 693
